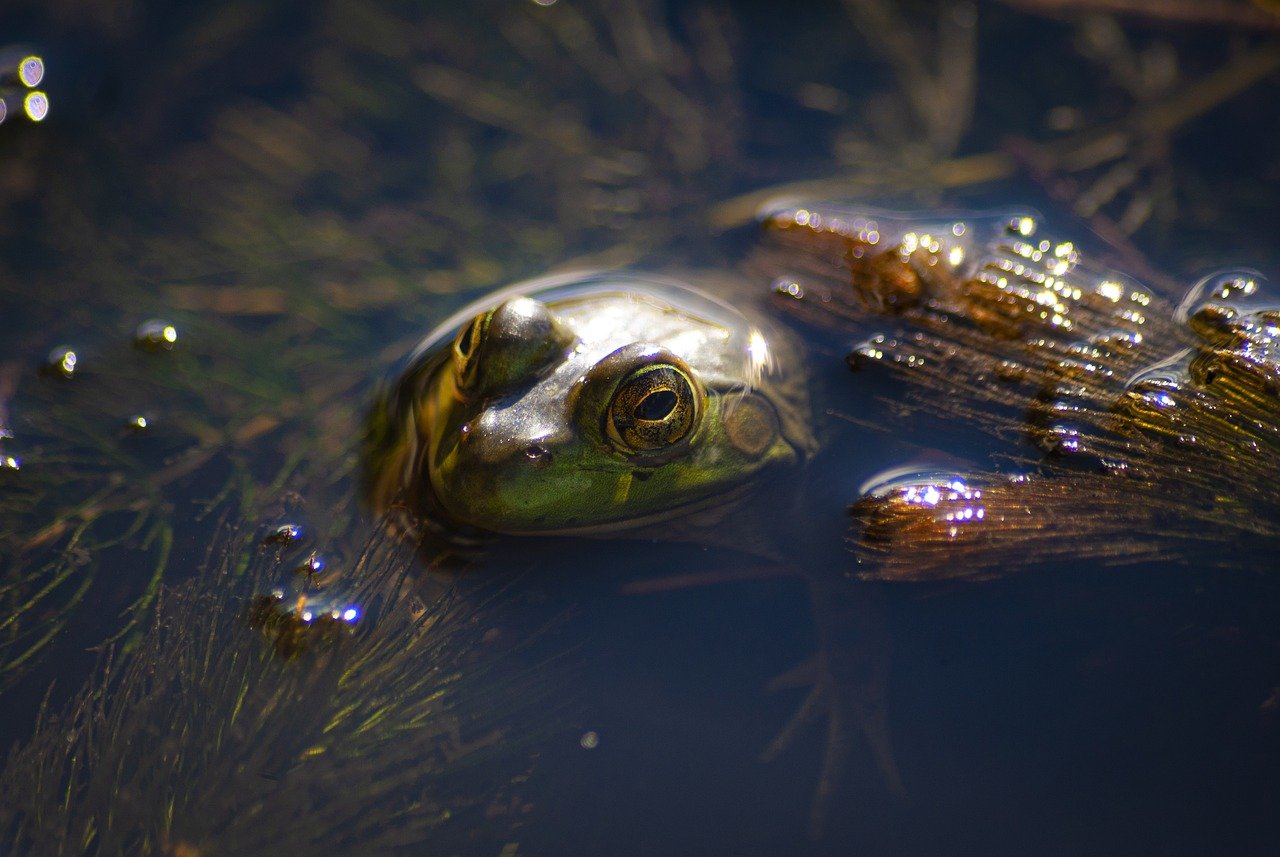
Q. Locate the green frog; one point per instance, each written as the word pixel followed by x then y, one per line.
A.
pixel 597 402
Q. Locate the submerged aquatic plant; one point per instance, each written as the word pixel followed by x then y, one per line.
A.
pixel 1149 432
pixel 201 740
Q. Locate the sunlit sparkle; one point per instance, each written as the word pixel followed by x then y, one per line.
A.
pixel 36 105
pixel 31 71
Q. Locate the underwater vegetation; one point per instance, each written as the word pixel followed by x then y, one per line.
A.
pixel 203 740
pixel 300 192
pixel 1136 430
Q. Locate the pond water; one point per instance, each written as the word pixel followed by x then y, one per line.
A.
pixel 302 191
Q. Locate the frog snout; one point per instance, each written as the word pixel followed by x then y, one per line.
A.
pixel 486 441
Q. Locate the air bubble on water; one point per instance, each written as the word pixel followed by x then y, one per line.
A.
pixel 1172 373
pixel 285 534
pixel 1223 296
pixel 155 334
pixel 63 361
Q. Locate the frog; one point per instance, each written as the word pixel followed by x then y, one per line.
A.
pixel 595 402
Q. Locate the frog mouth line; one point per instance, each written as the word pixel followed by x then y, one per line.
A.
pixel 722 502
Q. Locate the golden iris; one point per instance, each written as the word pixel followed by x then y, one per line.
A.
pixel 653 408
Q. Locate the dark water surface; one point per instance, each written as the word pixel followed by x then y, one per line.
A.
pixel 304 189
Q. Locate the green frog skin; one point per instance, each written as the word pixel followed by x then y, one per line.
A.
pixel 595 403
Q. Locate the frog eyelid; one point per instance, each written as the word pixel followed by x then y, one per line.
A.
pixel 514 343
pixel 466 346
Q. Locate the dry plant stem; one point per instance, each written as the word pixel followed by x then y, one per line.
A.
pixel 942 101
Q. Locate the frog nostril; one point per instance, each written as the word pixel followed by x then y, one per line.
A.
pixel 537 452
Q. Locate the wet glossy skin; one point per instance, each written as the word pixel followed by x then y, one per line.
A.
pixel 593 403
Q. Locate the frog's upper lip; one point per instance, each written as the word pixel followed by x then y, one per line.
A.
pixel 633 522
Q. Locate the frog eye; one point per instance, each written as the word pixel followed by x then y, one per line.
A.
pixel 512 344
pixel 653 408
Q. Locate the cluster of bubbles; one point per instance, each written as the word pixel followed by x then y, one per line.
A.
pixel 301 614
pixel 305 612
pixel 950 498
pixel 1226 387
pixel 64 362
pixel 21 72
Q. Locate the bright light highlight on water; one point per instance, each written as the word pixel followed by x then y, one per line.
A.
pixel 36 104
pixel 757 351
pixel 1112 291
pixel 31 70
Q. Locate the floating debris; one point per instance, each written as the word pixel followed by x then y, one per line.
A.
pixel 1151 432
pixel 313 565
pixel 285 534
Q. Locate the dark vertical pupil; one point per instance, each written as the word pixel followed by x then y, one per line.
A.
pixel 655 406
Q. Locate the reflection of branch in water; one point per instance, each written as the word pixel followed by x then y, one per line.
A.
pixel 651 585
pixel 1055 163
pixel 201 741
pixel 941 100
pixel 1115 174
pixel 615 117
pixel 1232 13
pixel 1092 169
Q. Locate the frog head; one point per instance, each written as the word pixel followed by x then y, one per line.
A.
pixel 591 404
